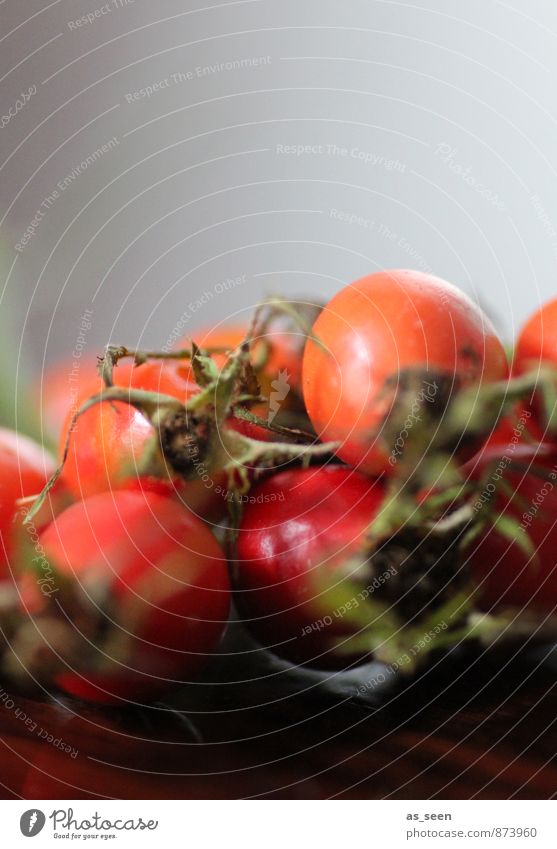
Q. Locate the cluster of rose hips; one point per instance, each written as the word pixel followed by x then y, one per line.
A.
pixel 348 476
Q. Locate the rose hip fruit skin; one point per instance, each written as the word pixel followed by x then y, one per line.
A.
pixel 24 471
pixel 109 440
pixel 536 348
pixel 372 334
pixel 517 470
pixel 537 340
pixel 57 392
pixel 298 529
pixel 505 574
pixel 145 588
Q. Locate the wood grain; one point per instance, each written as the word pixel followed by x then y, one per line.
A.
pixel 481 728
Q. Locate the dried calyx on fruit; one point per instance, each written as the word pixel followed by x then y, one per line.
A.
pixel 462 563
pixel 138 600
pixel 391 342
pixel 278 337
pixel 428 517
pixel 204 435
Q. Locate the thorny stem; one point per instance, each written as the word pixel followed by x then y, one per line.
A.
pixel 429 461
pixel 247 416
pixel 113 355
pixel 157 407
pixel 473 412
pixel 146 402
pixel 285 450
pixel 283 305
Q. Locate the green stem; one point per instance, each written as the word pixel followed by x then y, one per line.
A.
pixel 247 416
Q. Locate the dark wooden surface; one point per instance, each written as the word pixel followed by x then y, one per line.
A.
pixel 466 729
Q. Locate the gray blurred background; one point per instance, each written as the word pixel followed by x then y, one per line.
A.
pixel 163 164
